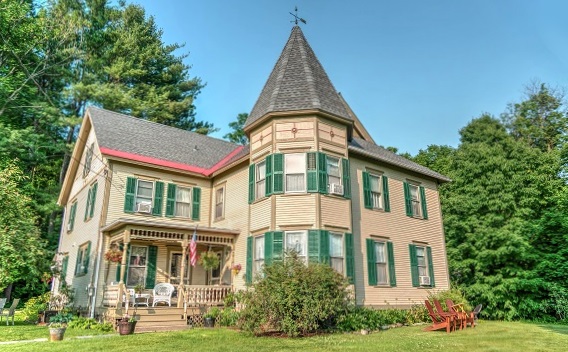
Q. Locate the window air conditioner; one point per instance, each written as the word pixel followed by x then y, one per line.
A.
pixel 336 188
pixel 144 207
pixel 425 280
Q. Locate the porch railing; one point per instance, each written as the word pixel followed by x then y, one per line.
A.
pixel 205 295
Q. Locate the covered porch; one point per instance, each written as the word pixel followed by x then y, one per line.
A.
pixel 147 253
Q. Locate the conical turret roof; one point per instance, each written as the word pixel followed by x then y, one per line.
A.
pixel 297 82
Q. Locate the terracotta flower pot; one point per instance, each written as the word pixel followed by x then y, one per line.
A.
pixel 56 334
pixel 126 327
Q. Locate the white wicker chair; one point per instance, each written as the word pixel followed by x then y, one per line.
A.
pixel 162 293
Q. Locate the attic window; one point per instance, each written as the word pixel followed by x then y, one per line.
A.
pixel 88 159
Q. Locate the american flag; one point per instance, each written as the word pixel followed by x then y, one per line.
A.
pixel 193 249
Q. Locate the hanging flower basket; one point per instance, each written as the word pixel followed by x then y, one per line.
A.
pixel 235 269
pixel 113 256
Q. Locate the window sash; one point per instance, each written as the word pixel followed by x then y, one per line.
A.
pixel 258 254
pixel 422 261
pixel 295 171
pixel 144 192
pixel 297 241
pixel 183 202
pixel 137 265
pixel 81 254
pixel 88 160
pixel 382 276
pixel 415 199
pixel 336 254
pixel 376 192
pixel 381 263
pixel 219 200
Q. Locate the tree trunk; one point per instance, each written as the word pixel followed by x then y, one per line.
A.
pixel 8 292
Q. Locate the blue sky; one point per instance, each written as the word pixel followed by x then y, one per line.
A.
pixel 414 71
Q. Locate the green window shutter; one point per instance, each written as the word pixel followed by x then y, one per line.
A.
pixel 371 262
pixel 430 266
pixel 151 267
pixel 64 265
pixel 118 265
pixel 129 195
pixel 313 245
pixel 196 204
pixel 278 173
pixel 72 216
pixel 278 246
pixel 324 247
pixel 248 272
pixel 268 182
pixel 386 197
pixel 413 265
pixel 87 205
pixel 346 178
pixel 407 199
pixel 87 258
pixel 171 200
pixel 392 273
pixel 322 173
pixel 349 258
pixel 312 172
pixel 93 199
pixel 268 248
pixel 367 191
pixel 251 183
pixel 423 203
pixel 158 198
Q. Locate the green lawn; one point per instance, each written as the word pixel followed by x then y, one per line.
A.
pixel 487 336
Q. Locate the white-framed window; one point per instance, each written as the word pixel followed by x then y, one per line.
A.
pixel 219 202
pixel 415 199
pixel 137 263
pixel 297 241
pixel 295 172
pixel 336 251
pixel 175 269
pixel 381 263
pixel 375 185
pixel 258 254
pixel 260 179
pixel 91 201
pixel 144 192
pixel 422 261
pixel 81 267
pixel 88 159
pixel 183 202
pixel 333 170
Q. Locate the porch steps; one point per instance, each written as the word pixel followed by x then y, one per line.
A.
pixel 159 319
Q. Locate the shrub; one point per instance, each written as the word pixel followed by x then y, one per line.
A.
pixel 213 312
pixel 357 318
pixel 89 324
pixel 229 317
pixel 294 298
pixel 35 305
pixel 454 294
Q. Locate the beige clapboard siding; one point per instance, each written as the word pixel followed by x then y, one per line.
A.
pixel 401 230
pixel 120 173
pixel 260 214
pixel 332 133
pixel 332 149
pixel 261 153
pixel 295 209
pixel 236 213
pixel 260 138
pixel 291 145
pixel 97 166
pixel 83 231
pixel 293 130
pixel 335 211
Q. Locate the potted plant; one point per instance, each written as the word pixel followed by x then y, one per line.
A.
pixel 210 317
pixel 139 288
pixel 126 325
pixel 58 324
pixel 209 260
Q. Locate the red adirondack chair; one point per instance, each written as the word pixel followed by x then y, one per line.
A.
pixel 457 318
pixel 438 322
pixel 467 317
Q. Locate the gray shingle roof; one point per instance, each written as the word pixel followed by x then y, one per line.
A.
pixel 297 82
pixel 141 137
pixel 377 152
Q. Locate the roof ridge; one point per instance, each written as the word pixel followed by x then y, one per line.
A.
pixel 142 120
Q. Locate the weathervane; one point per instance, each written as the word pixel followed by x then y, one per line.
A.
pixel 296 18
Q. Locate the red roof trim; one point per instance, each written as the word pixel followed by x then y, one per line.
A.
pixel 171 164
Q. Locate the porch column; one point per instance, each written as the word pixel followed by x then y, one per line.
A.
pixel 121 284
pixel 181 287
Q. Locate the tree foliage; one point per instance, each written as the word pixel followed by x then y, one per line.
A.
pixel 238 135
pixel 504 227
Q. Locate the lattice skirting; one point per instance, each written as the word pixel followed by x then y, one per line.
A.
pixel 196 320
